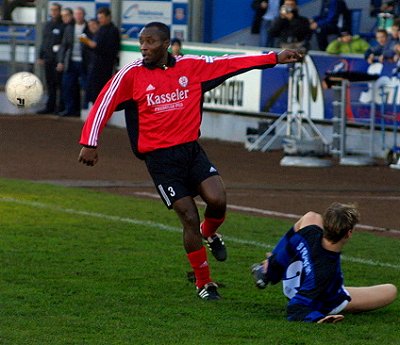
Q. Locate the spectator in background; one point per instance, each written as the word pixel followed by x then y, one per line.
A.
pixel 67 16
pixel 52 37
pixel 383 50
pixel 396 70
pixel 290 28
pixel 375 7
pixel 395 31
pixel 396 42
pixel 326 23
pixel 105 45
pixel 73 62
pixel 396 8
pixel 390 7
pixel 176 47
pixel 271 13
pixel 386 16
pixel 347 44
pixel 93 26
pixel 259 7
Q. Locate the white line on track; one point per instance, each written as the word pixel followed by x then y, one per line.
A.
pixel 275 213
pixel 169 228
pixel 326 195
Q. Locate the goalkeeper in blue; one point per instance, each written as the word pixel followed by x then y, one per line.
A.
pixel 307 261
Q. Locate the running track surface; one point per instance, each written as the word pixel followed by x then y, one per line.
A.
pixel 45 148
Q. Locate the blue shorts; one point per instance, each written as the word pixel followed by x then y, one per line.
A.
pixel 177 171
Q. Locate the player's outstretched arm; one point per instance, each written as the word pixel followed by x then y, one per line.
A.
pixel 289 56
pixel 88 156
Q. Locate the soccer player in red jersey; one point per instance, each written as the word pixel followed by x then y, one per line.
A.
pixel 162 97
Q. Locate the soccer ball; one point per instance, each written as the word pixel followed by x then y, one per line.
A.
pixel 24 89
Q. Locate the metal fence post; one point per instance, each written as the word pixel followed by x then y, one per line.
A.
pixel 41 15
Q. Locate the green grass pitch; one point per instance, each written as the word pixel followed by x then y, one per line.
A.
pixel 83 267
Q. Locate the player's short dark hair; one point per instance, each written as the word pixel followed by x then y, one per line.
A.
pixel 338 220
pixel 165 33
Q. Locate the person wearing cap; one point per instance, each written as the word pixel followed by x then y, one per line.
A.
pixel 347 44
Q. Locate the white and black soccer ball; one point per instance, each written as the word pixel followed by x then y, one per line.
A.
pixel 24 89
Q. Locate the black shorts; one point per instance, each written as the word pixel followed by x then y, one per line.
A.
pixel 177 171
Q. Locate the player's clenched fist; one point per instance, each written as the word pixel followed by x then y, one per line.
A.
pixel 290 56
pixel 88 156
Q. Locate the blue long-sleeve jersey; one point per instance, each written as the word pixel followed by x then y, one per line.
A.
pixel 312 276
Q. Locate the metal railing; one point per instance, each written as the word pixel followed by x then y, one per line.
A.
pixel 362 154
pixel 17 48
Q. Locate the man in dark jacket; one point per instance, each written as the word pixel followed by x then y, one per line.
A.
pixel 52 36
pixel 259 7
pixel 106 45
pixel 326 23
pixel 290 28
pixel 73 62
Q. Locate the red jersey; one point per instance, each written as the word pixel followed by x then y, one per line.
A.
pixel 163 106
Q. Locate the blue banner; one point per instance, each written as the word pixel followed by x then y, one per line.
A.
pixel 316 98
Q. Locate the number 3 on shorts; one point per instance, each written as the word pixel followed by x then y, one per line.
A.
pixel 171 191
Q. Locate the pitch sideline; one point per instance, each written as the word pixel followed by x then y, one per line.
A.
pixel 164 227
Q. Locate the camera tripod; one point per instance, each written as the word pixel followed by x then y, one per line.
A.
pixel 301 137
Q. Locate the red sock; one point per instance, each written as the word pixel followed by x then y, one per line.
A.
pixel 199 263
pixel 210 225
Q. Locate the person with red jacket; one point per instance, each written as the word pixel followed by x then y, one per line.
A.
pixel 162 97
